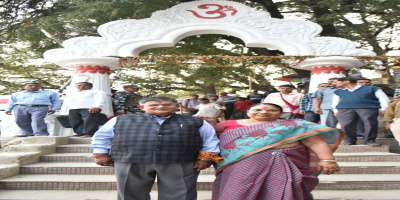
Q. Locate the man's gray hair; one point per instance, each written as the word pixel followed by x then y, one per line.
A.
pixel 143 101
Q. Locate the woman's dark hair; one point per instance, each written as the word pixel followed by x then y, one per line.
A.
pixel 271 104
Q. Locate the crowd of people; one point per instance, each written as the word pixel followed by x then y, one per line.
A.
pixel 259 145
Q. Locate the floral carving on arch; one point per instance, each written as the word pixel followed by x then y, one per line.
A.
pixel 125 38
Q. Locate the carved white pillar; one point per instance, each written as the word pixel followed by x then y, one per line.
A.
pixel 99 77
pixel 323 74
pixel 323 68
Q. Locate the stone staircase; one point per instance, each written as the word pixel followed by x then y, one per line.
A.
pixel 70 173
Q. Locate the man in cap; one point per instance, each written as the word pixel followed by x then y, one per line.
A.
pixel 126 102
pixel 30 107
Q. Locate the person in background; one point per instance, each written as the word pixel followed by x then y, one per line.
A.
pixel 214 99
pixel 30 107
pixel 255 97
pixel 322 102
pixel 364 81
pixel 268 158
pixel 288 99
pixel 192 102
pixel 392 118
pixel 126 102
pixel 156 144
pixel 306 106
pixel 232 93
pixel 228 101
pixel 84 106
pixel 208 111
pixel 241 107
pixel 366 102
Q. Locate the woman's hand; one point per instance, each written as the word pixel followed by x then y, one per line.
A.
pixel 328 167
pixel 323 151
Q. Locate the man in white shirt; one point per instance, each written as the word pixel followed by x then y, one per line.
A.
pixel 287 96
pixel 84 109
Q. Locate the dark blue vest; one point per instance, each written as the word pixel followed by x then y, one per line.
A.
pixel 139 138
pixel 363 97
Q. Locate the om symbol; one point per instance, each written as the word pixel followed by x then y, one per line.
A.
pixel 220 11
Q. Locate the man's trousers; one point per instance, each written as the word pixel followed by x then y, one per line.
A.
pixel 348 120
pixel 175 181
pixel 83 122
pixel 31 119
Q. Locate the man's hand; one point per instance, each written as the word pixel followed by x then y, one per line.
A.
pixel 103 159
pixel 51 112
pixel 119 112
pixel 381 112
pixel 317 111
pixel 202 164
pixel 388 126
pixel 302 112
pixel 94 110
pixel 8 112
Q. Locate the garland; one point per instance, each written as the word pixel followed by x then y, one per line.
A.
pixel 192 61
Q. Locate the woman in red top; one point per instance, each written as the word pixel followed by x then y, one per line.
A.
pixel 241 107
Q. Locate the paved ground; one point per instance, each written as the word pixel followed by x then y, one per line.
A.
pixel 203 195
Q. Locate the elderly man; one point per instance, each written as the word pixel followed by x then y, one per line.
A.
pixel 287 99
pixel 84 109
pixel 126 102
pixel 366 102
pixel 157 143
pixel 30 107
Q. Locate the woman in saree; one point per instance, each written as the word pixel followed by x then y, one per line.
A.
pixel 268 158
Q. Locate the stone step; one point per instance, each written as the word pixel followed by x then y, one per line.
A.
pixel 67 157
pixel 84 148
pixel 359 182
pixel 74 148
pixel 78 140
pixel 367 157
pixel 19 157
pixel 341 157
pixel 107 182
pixel 361 148
pixel 202 195
pixel 76 168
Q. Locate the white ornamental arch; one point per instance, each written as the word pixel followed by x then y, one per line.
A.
pixel 92 57
pixel 165 28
